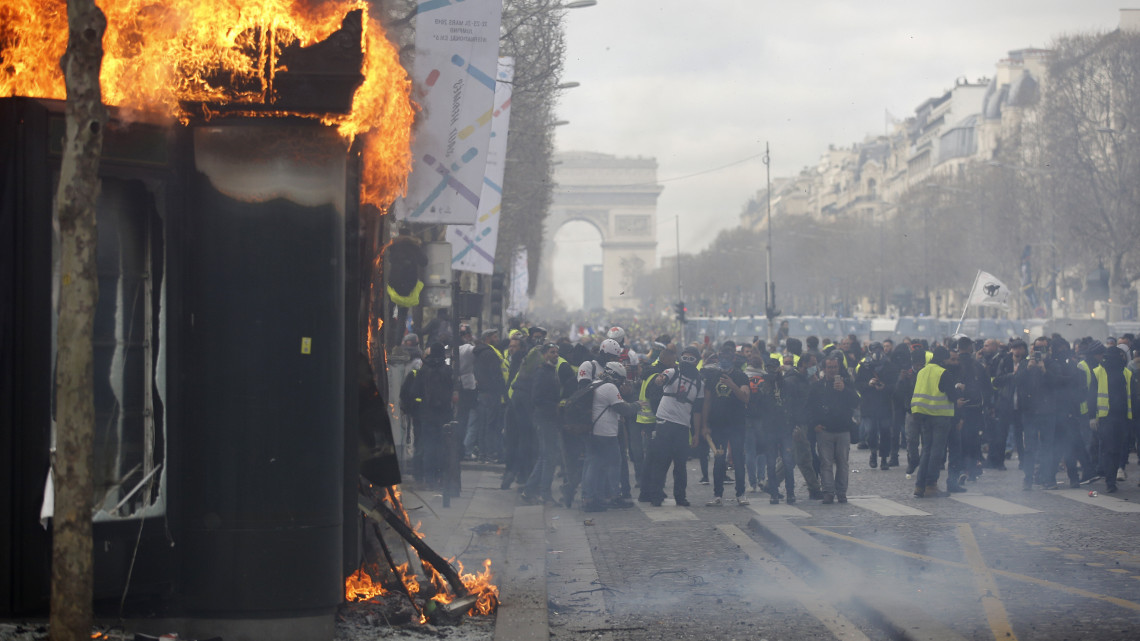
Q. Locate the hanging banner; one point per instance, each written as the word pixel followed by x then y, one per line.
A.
pixel 520 282
pixel 457 46
pixel 473 246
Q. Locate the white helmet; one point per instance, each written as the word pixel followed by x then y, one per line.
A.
pixel 616 333
pixel 611 347
pixel 615 371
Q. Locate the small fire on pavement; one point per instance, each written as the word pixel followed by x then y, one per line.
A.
pixel 361 587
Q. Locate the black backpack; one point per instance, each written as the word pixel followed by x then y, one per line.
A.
pixel 437 387
pixel 577 411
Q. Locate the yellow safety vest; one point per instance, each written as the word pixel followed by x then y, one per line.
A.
pixel 411 300
pixel 1084 367
pixel 645 414
pixel 1101 391
pixel 506 364
pixel 927 398
pixel 1128 389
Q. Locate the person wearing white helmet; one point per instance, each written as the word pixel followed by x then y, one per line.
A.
pixel 608 351
pixel 603 454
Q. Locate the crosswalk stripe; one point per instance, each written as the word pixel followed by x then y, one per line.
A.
pixel 781 509
pixel 794 586
pixel 1101 501
pixel 993 504
pixel 667 512
pixel 885 507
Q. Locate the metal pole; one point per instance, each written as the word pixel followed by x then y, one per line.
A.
pixel 769 297
pixel 680 289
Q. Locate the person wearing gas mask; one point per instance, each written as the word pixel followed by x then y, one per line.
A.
pixel 682 403
pixel 724 413
pixel 773 403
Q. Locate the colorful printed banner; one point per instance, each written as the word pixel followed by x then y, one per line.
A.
pixel 520 283
pixel 457 45
pixel 473 246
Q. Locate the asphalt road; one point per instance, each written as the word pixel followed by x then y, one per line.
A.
pixel 993 563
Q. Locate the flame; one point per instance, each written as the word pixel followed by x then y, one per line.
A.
pixel 159 56
pixel 360 587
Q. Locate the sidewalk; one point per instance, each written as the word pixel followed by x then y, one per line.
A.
pixel 485 522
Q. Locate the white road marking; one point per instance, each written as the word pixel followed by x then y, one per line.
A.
pixel 993 504
pixel 794 586
pixel 667 512
pixel 764 508
pixel 1100 500
pixel 885 507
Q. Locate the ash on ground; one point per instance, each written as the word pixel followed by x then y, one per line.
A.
pixel 391 616
pixel 365 621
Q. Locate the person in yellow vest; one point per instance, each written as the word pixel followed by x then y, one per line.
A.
pixel 1092 354
pixel 641 430
pixel 1114 393
pixel 932 407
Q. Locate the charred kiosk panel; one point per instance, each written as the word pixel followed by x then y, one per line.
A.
pixel 264 317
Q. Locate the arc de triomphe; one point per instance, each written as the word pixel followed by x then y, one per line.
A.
pixel 618 196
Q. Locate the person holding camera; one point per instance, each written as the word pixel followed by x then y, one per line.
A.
pixel 1031 386
pixel 875 379
pixel 832 401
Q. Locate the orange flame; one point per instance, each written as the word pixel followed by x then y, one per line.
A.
pixel 160 55
pixel 360 587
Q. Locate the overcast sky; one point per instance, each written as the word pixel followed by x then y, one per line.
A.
pixel 700 85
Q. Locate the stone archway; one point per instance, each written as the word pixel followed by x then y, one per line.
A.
pixel 618 197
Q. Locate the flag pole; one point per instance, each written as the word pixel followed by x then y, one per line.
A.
pixel 967 305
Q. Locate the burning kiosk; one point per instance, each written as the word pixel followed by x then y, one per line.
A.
pixel 230 274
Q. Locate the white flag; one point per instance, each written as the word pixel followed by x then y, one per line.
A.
pixel 989 291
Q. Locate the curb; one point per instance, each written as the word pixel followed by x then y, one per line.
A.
pixel 523 614
pixel 901 619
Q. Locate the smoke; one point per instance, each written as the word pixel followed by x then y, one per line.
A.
pixel 258 163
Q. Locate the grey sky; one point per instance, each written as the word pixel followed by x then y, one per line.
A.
pixel 699 85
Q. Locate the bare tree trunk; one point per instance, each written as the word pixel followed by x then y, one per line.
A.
pixel 71 584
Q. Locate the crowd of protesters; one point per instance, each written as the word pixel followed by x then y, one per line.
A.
pixel 762 411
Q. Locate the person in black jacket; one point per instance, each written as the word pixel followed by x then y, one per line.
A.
pixel 832 401
pixel 1007 414
pixel 875 379
pixel 1034 382
pixel 904 389
pixel 966 459
pixel 776 402
pixel 547 392
pixel 432 390
pixel 1069 444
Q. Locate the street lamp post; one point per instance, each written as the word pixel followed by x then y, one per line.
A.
pixel 769 287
